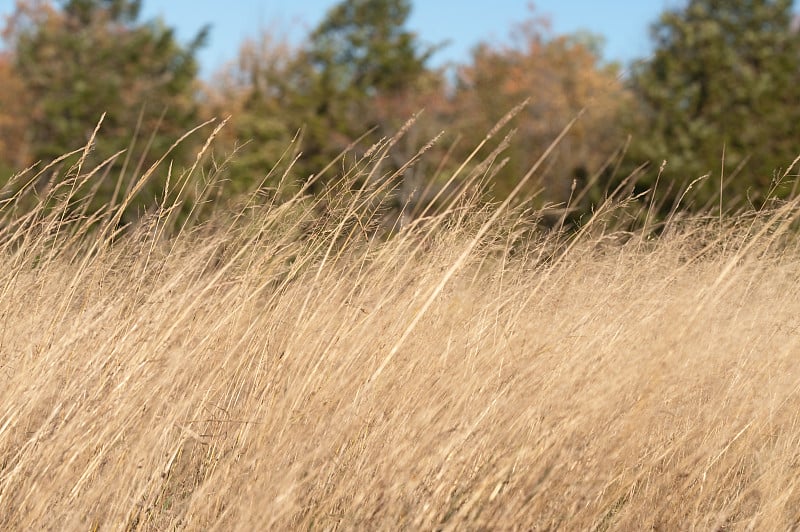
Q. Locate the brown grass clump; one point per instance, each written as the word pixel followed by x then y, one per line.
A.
pixel 277 368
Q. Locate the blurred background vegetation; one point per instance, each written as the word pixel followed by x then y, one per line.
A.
pixel 717 99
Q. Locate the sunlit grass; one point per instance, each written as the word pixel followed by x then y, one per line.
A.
pixel 282 367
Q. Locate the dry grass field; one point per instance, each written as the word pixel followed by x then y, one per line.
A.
pixel 275 366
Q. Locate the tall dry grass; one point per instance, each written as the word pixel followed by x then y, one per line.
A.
pixel 283 367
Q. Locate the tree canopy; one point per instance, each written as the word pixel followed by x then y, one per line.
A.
pixel 560 75
pixel 80 59
pixel 725 75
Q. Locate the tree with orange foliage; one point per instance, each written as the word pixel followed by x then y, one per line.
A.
pixel 560 75
pixel 14 119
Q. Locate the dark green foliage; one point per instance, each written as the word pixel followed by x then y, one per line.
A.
pixel 363 48
pixel 359 70
pixel 361 58
pixel 725 73
pixel 90 57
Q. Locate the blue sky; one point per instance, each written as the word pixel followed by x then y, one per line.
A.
pixel 462 23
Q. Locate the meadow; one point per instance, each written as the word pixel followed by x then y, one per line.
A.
pixel 279 365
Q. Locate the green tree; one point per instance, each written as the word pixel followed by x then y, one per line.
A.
pixel 360 69
pixel 79 59
pixel 724 74
pixel 347 78
pixel 360 57
pixel 256 90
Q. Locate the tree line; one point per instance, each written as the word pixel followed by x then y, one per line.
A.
pixel 714 107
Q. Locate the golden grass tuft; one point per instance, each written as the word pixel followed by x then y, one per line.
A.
pixel 277 368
